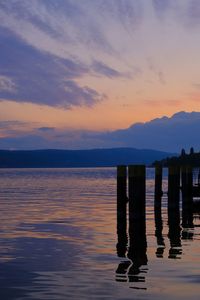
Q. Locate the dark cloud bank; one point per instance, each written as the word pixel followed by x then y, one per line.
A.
pixel 165 134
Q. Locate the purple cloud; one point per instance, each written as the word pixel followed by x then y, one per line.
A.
pixel 30 75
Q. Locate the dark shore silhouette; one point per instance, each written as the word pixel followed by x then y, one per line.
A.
pixel 77 158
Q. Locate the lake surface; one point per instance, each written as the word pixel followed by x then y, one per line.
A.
pixel 58 240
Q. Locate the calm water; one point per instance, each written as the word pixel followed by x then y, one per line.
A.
pixel 58 241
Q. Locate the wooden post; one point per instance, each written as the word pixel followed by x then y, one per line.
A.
pixel 137 190
pixel 174 211
pixel 158 187
pixel 183 182
pixel 186 180
pixel 121 210
pixel 157 211
pixel 137 228
pixel 187 196
pixel 173 187
pixel 189 182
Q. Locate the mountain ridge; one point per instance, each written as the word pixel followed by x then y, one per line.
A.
pixel 55 158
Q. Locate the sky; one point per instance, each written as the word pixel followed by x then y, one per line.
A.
pixel 69 68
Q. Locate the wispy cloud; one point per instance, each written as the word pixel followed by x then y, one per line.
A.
pixel 14 128
pixel 46 129
pixel 7 84
pixel 193 13
pixel 159 103
pixel 161 6
pixel 52 25
pixel 7 125
pixel 105 70
pixel 40 77
pixel 156 70
pixel 73 28
pixel 47 46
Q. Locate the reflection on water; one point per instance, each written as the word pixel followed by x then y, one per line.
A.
pixel 132 270
pixel 158 232
pixel 58 240
pixel 174 233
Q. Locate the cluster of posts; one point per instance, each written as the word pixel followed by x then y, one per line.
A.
pixel 131 198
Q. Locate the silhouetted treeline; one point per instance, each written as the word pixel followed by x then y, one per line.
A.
pixel 77 158
pixel 192 159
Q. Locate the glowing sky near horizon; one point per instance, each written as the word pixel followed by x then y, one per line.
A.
pixel 97 65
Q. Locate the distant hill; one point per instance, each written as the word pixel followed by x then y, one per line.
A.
pixel 78 158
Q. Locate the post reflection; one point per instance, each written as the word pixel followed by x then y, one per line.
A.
pixel 121 272
pixel 188 190
pixel 137 252
pixel 132 269
pixel 158 232
pixel 174 233
pixel 187 214
pixel 122 244
pixel 187 219
pixel 173 225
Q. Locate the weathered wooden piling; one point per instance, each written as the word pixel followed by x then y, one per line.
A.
pixel 137 210
pixel 121 201
pixel 183 181
pixel 136 192
pixel 187 196
pixel 137 228
pixel 173 186
pixel 186 180
pixel 158 187
pixel 137 253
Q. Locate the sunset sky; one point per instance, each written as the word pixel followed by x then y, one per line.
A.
pixel 68 66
